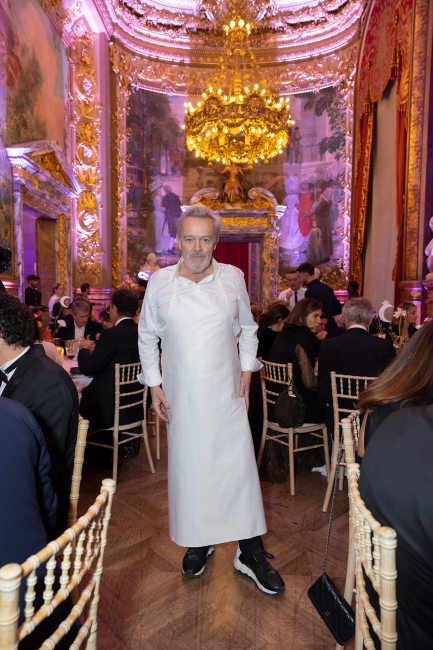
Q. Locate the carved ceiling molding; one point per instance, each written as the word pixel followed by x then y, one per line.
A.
pixel 191 37
pixel 168 78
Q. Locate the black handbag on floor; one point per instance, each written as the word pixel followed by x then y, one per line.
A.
pixel 332 607
pixel 289 408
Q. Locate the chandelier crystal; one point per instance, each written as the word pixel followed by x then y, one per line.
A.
pixel 239 119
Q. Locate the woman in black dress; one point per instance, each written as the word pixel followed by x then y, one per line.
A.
pixel 295 345
pixel 407 381
pixel 271 324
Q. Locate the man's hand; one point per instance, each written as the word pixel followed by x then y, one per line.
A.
pixel 159 402
pixel 244 388
pixel 87 343
pixel 322 335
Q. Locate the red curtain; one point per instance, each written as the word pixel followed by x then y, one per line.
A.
pixel 235 253
pixel 400 170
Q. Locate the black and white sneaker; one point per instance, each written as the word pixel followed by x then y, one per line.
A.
pixel 194 561
pixel 258 569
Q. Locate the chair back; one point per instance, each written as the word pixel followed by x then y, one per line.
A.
pixel 80 447
pixel 374 547
pixel 277 373
pixel 351 428
pixel 126 375
pixel 90 535
pixel 345 387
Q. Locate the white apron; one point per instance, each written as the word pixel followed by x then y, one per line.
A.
pixel 213 485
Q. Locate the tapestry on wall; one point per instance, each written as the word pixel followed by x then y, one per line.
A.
pixel 306 179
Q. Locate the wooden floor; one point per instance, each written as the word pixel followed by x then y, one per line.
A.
pixel 146 604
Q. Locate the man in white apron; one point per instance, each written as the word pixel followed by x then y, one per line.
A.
pixel 200 310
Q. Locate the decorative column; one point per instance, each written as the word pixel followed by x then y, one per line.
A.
pixel 120 65
pixel 18 231
pixel 85 120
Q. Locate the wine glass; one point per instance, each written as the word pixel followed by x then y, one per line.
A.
pixel 70 349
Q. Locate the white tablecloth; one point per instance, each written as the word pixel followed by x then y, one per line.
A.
pixel 80 381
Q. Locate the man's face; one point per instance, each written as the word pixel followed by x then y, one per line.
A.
pixel 81 318
pixel 197 243
pixel 294 281
pixel 33 284
pixel 322 325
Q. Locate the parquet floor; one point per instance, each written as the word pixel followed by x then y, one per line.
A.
pixel 146 604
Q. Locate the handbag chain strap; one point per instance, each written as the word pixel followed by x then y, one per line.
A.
pixel 337 472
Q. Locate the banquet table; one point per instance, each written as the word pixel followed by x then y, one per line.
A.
pixel 80 381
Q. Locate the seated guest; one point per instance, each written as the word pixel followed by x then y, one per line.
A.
pixel 295 345
pixel 407 381
pixel 55 295
pixel 256 312
pixel 31 378
pixel 116 345
pixel 396 484
pixel 27 510
pixel 405 326
pixel 61 308
pixel 321 333
pixel 142 286
pixel 271 324
pixel 352 289
pixel 32 295
pixel 321 292
pixel 79 324
pixel 356 352
pixel 105 320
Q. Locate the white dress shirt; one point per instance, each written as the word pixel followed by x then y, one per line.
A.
pixel 124 318
pixel 359 327
pixel 300 293
pixel 6 365
pixel 79 332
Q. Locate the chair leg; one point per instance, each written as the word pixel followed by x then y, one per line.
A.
pixel 341 477
pixel 157 429
pixel 350 572
pixel 115 453
pixel 326 450
pixel 292 463
pixel 146 443
pixel 331 475
pixel 262 443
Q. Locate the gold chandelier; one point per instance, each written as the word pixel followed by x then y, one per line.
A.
pixel 239 119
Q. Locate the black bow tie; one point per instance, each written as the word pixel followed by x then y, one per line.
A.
pixel 4 373
pixel 3 377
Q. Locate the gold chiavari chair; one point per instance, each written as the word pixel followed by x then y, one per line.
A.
pixel 278 373
pixel 126 375
pixel 344 387
pixel 154 421
pixel 89 535
pixel 375 550
pixel 80 447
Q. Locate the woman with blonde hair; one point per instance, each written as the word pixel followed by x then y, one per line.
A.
pixel 55 295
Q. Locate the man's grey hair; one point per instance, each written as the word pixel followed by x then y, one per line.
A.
pixel 167 188
pixel 80 306
pixel 359 311
pixel 199 211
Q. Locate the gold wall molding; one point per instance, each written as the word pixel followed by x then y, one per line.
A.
pixel 245 222
pixel 63 254
pixel 419 92
pixel 119 217
pixel 140 72
pixel 86 123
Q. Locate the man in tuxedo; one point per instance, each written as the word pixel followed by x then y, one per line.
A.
pixel 322 293
pixel 28 376
pixel 119 344
pixel 78 324
pixel 32 296
pixel 295 292
pixel 356 352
